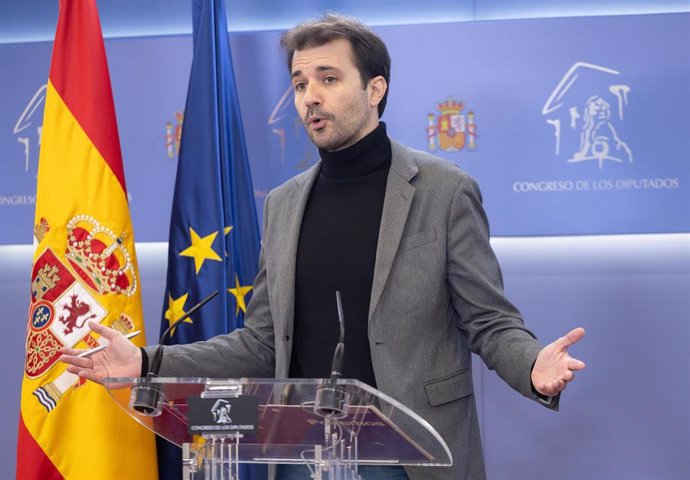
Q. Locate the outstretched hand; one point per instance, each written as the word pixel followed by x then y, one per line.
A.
pixel 120 358
pixel 554 367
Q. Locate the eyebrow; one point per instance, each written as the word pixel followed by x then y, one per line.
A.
pixel 323 68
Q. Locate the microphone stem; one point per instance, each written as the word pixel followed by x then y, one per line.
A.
pixel 158 356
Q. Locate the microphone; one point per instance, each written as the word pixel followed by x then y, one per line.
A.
pixel 332 400
pixel 147 399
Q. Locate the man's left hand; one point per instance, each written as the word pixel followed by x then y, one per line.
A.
pixel 554 366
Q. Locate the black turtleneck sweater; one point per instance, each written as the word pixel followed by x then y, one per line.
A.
pixel 337 251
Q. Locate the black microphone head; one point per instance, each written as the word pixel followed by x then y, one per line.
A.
pixel 147 398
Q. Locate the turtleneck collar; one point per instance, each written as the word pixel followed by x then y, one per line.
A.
pixel 359 159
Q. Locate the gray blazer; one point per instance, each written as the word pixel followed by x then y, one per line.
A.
pixel 437 295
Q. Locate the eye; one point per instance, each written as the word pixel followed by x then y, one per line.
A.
pixel 329 80
pixel 299 86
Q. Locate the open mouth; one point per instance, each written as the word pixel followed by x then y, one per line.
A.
pixel 315 119
pixel 317 123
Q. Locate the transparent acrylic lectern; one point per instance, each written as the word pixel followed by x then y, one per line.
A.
pixel 331 426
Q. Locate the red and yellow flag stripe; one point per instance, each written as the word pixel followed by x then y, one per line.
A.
pixel 84 269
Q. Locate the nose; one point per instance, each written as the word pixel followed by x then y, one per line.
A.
pixel 312 95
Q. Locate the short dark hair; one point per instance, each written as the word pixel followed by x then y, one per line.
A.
pixel 371 55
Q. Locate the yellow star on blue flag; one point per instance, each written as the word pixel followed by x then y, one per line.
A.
pixel 240 292
pixel 175 311
pixel 200 249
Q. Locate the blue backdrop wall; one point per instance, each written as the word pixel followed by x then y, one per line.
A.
pixel 589 232
pixel 571 125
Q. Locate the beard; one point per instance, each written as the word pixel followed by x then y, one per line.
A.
pixel 340 130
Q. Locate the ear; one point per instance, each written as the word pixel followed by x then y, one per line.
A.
pixel 377 89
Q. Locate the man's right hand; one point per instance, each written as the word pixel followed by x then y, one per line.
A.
pixel 121 358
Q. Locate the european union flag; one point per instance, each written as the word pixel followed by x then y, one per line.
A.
pixel 214 232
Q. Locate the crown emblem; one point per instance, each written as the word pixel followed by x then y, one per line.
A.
pixel 450 107
pixel 100 257
pixel 451 129
pixel 123 324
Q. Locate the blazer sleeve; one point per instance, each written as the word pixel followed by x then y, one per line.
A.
pixel 492 325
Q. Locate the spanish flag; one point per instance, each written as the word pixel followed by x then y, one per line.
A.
pixel 84 269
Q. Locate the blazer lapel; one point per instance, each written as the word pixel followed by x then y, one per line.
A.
pixel 287 258
pixel 396 206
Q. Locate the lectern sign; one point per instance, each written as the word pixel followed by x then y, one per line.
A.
pixel 223 415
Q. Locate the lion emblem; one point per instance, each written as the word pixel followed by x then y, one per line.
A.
pixel 75 309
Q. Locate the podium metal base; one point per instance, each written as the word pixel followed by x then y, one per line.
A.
pixel 216 457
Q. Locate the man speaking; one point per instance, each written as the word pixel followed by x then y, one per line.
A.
pixel 403 236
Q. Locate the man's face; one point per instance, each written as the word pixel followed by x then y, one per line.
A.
pixel 336 109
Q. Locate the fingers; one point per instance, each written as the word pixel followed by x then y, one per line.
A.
pixel 552 388
pixel 70 351
pixel 74 370
pixel 104 331
pixel 80 366
pixel 573 336
pixel 89 375
pixel 71 359
pixel 575 364
pixel 556 385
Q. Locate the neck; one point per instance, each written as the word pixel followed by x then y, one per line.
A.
pixel 359 159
